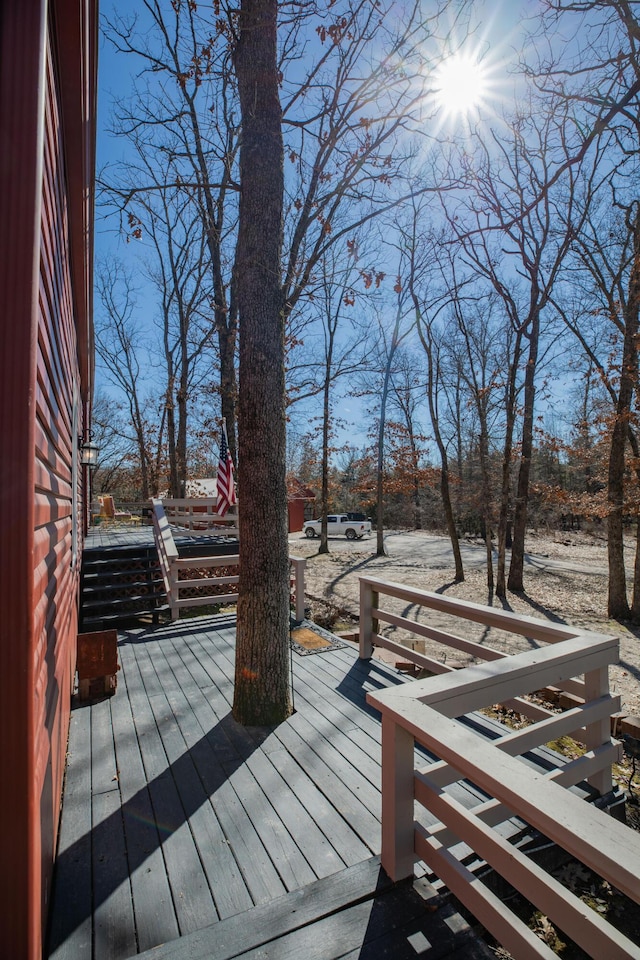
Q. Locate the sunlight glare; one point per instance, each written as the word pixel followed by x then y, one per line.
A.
pixel 460 85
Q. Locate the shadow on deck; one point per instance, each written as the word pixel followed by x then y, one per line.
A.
pixel 180 827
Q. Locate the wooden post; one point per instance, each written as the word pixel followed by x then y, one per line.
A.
pixel 174 594
pixel 597 685
pixel 299 564
pixel 397 800
pixel 368 599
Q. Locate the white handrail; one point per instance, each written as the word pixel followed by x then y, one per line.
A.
pixel 167 550
pixel 424 711
pixel 607 847
pixel 184 516
pixel 199 516
pixel 375 594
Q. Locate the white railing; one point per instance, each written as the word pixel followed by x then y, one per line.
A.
pixel 198 517
pixel 185 516
pixel 297 565
pixel 372 614
pixel 165 545
pixel 424 711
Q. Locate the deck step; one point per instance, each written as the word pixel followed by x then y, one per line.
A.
pixel 120 584
pixel 357 914
pixel 96 589
pixel 122 618
pixel 127 603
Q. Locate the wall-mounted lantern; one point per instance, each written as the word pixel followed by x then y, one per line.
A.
pixel 89 454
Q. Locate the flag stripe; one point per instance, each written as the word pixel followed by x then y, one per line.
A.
pixel 225 482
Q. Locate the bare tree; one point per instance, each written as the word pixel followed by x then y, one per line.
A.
pixel 515 234
pixel 262 691
pixel 407 390
pixel 389 343
pixel 348 126
pixel 480 366
pixel 427 305
pixel 118 346
pixel 111 433
pixel 596 70
pixel 187 112
pixel 598 75
pixel 608 249
pixel 178 272
pixel 341 353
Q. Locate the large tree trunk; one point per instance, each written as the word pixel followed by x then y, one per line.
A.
pixel 487 513
pixel 426 339
pixel 516 567
pixel 618 604
pixel 174 490
pixel 380 552
pixel 262 686
pixel 635 603
pixel 181 441
pixel 324 495
pixel 505 489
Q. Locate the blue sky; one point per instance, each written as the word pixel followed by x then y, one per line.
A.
pixel 496 38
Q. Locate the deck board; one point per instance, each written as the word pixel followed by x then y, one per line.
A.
pixel 155 916
pixel 211 744
pixel 355 915
pixel 192 898
pixel 176 819
pixel 71 921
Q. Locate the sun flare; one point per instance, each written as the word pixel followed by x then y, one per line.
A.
pixel 461 85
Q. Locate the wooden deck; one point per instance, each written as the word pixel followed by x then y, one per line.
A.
pixel 116 534
pixel 179 823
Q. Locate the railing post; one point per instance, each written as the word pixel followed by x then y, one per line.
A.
pixel 397 800
pixel 597 685
pixel 368 599
pixel 174 594
pixel 299 564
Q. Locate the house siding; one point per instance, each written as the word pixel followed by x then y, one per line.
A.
pixel 47 116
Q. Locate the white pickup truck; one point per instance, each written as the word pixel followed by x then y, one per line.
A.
pixel 339 523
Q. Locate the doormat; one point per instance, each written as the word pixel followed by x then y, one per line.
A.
pixel 308 638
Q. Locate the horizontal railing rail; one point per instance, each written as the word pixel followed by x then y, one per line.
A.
pixel 199 516
pixel 374 593
pixel 165 545
pixel 432 713
pixel 184 515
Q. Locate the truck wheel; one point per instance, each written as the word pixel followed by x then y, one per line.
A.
pixel 310 533
pixel 350 534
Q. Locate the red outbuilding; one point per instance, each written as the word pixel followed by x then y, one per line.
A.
pixel 300 501
pixel 47 138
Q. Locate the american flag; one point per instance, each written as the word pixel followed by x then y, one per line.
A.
pixel 226 486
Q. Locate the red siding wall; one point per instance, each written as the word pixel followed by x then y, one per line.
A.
pixel 22 30
pixel 47 123
pixel 55 577
pixel 296 515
